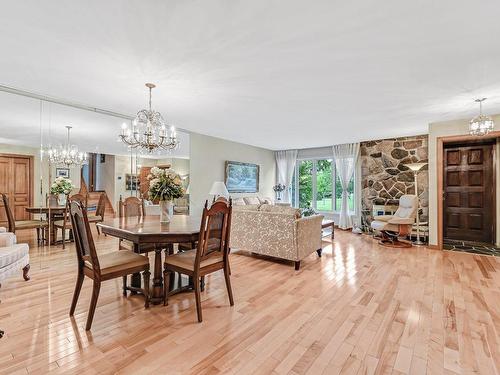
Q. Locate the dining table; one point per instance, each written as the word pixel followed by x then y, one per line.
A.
pixel 147 234
pixel 53 213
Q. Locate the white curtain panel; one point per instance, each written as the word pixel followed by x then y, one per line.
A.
pixel 285 163
pixel 345 157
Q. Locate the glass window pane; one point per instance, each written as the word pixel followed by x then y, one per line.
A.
pixel 324 189
pixel 305 183
pixel 293 189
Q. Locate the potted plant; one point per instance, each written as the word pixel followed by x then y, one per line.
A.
pixel 164 186
pixel 61 187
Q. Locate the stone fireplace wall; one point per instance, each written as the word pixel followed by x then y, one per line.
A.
pixel 384 177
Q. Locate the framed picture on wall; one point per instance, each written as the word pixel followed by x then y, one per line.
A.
pixel 242 177
pixel 62 172
pixel 132 182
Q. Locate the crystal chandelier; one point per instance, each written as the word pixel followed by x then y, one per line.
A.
pixel 481 125
pixel 149 130
pixel 67 155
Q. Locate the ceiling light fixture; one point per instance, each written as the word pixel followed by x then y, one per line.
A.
pixel 67 155
pixel 481 125
pixel 149 130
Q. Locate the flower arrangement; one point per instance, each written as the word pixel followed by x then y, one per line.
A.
pixel 164 185
pixel 61 185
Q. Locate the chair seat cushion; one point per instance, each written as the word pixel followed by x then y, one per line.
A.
pixel 60 224
pixel 30 224
pixel 13 259
pixel 94 218
pixel 119 261
pixel 383 217
pixel 186 260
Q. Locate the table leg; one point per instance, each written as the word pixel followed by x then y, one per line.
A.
pixel 157 292
pixel 333 231
pixel 136 277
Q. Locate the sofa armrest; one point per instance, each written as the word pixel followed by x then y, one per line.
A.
pixel 7 239
pixel 308 232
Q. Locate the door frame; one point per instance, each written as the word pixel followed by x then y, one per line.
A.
pixel 31 172
pixel 440 142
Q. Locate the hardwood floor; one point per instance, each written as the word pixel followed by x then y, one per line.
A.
pixel 360 309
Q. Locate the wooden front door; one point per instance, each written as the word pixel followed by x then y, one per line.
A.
pixel 469 188
pixel 16 181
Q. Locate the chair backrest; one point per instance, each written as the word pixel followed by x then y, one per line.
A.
pixel 214 231
pixel 131 206
pixel 84 242
pixel 10 217
pixel 101 205
pixel 408 206
pixel 80 198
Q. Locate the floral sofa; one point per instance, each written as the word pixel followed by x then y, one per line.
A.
pixel 275 231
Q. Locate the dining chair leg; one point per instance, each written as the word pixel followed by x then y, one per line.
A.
pixel 63 236
pixel 76 293
pixel 98 230
pixel 202 284
pixel 166 286
pixel 38 236
pixel 93 304
pixel 228 284
pixel 125 286
pixel 146 275
pixel 196 283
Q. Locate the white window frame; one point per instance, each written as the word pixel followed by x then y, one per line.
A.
pixel 314 185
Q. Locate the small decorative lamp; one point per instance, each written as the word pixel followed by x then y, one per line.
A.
pixel 415 167
pixel 219 190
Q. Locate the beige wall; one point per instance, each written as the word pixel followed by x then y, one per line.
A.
pixel 207 163
pixel 449 128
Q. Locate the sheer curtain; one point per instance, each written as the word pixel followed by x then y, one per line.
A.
pixel 345 157
pixel 285 163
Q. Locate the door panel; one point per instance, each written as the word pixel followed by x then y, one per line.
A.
pixel 15 181
pixel 468 193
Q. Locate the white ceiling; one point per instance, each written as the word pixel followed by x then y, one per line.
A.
pixel 276 74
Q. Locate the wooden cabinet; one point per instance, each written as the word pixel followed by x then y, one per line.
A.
pixel 16 180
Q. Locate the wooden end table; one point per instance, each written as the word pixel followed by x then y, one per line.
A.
pixel 329 223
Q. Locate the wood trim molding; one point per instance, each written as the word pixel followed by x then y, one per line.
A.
pixel 440 141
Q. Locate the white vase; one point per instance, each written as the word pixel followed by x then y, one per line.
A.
pixel 166 211
pixel 62 199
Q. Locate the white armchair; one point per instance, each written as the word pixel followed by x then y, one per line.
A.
pixel 394 226
pixel 13 256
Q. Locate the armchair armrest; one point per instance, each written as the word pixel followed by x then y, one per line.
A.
pixel 7 239
pixel 401 221
pixel 383 217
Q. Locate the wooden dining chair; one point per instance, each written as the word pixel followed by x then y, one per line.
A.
pixel 15 225
pixel 103 267
pixel 99 212
pixel 65 223
pixel 211 254
pixel 131 206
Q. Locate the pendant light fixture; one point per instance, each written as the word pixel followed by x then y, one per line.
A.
pixel 481 124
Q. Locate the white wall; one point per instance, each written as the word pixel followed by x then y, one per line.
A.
pixel 207 163
pixel 450 128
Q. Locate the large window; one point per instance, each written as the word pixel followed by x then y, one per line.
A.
pixel 313 186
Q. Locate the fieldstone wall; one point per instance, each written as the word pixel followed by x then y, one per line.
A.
pixel 385 178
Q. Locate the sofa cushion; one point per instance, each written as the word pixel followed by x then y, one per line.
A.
pixel 246 207
pixel 251 200
pixel 280 209
pixel 238 202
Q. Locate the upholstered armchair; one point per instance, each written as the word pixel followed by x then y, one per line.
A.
pixel 14 257
pixel 398 225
